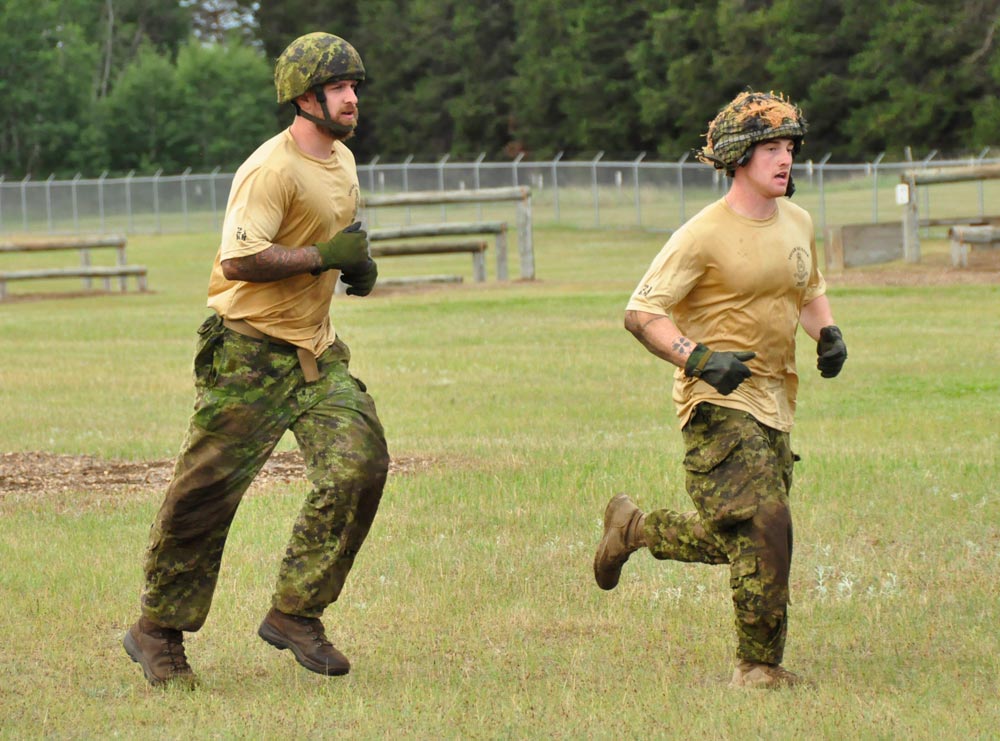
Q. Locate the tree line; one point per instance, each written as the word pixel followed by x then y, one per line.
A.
pixel 118 85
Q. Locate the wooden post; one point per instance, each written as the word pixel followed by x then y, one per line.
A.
pixel 501 245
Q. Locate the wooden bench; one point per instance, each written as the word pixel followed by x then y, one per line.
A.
pixel 450 229
pixel 476 248
pixel 964 237
pixel 86 271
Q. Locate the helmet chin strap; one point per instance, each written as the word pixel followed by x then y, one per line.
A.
pixel 338 130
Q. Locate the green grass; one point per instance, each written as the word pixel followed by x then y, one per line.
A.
pixel 472 611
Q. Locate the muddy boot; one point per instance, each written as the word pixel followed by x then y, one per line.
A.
pixel 307 640
pixel 160 653
pixel 622 536
pixel 764 676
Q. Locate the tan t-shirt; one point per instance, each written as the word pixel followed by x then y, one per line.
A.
pixel 280 195
pixel 735 283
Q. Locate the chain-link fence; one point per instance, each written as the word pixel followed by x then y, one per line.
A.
pixel 597 192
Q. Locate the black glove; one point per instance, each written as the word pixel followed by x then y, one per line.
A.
pixel 360 279
pixel 831 350
pixel 723 370
pixel 348 247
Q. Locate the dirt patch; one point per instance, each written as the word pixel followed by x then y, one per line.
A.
pixel 40 475
pixel 934 269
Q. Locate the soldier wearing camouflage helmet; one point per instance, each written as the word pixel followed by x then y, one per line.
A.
pixel 268 360
pixel 722 301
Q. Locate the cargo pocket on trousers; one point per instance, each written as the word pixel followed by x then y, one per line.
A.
pixel 724 494
pixel 210 335
pixel 745 565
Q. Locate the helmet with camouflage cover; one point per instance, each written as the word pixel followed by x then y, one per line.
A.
pixel 314 60
pixel 750 118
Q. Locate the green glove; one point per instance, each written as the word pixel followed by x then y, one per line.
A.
pixel 831 350
pixel 360 279
pixel 723 370
pixel 346 248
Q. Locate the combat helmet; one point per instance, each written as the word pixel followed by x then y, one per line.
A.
pixel 309 63
pixel 751 117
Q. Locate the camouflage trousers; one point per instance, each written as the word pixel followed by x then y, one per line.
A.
pixel 739 473
pixel 248 393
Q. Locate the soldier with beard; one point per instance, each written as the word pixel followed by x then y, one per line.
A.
pixel 268 359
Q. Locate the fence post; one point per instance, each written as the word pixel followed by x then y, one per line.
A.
pixel 979 161
pixel 156 198
pixel 1 202
pixel 215 207
pixel 555 181
pixel 518 158
pixel 593 188
pixel 911 222
pixel 48 201
pixel 475 182
pixel 927 192
pixel 100 197
pixel 24 201
pixel 638 201
pixel 875 187
pixel 821 166
pixel 371 174
pixel 525 244
pixel 441 163
pixel 406 182
pixel 184 197
pixel 128 200
pixel 680 186
pixel 76 211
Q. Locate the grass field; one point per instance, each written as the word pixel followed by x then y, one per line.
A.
pixel 472 611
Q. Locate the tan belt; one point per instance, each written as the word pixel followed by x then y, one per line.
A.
pixel 307 361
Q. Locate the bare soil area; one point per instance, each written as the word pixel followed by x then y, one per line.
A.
pixel 90 480
pixel 934 269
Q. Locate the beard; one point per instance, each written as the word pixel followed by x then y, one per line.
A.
pixel 329 127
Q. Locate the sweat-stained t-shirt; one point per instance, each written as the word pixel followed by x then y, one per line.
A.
pixel 735 283
pixel 281 195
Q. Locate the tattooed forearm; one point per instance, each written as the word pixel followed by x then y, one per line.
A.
pixel 274 263
pixel 658 334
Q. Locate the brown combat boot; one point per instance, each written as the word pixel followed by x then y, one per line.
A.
pixel 622 536
pixel 764 676
pixel 307 640
pixel 160 653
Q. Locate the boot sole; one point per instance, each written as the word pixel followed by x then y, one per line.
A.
pixel 276 639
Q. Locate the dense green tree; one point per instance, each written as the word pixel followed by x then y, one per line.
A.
pixel 228 103
pixel 483 33
pixel 108 84
pixel 413 76
pixel 46 87
pixel 543 60
pixel 142 116
pixel 911 84
pixel 278 23
pixel 986 110
pixel 600 104
pixel 676 89
pixel 829 35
